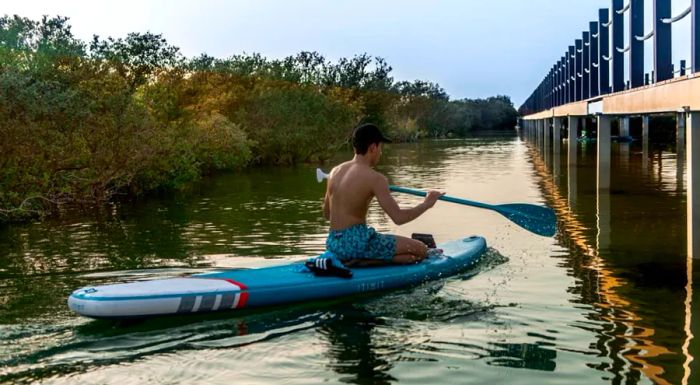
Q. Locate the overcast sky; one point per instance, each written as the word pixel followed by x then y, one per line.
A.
pixel 472 48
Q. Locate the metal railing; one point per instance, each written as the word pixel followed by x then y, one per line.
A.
pixel 588 69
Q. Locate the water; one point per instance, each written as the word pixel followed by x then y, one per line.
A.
pixel 605 301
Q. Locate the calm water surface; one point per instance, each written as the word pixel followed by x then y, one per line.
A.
pixel 605 301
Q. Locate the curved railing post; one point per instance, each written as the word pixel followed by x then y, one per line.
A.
pixel 604 51
pixel 618 41
pixel 586 89
pixel 594 59
pixel 572 73
pixel 558 88
pixel 636 68
pixel 579 69
pixel 663 60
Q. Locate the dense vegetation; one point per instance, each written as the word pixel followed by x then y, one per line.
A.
pixel 81 122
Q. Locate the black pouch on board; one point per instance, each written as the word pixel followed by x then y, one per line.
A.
pixel 425 238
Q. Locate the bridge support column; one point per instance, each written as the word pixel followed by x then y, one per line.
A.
pixel 543 133
pixel 572 170
pixel 557 134
pixel 645 144
pixel 624 126
pixel 541 143
pixel 547 143
pixel 603 152
pixel 573 144
pixel 680 150
pixel 603 220
pixel 556 139
pixel 625 156
pixel 526 131
pixel 693 194
pixel 680 129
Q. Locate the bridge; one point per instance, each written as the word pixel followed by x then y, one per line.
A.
pixel 601 81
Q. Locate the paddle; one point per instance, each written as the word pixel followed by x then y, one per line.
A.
pixel 540 220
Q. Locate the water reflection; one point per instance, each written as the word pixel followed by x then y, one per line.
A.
pixel 354 354
pixel 624 276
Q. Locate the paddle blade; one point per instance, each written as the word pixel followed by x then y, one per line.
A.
pixel 537 219
pixel 320 175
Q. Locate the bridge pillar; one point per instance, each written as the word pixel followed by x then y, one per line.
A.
pixel 557 135
pixel 693 228
pixel 680 150
pixel 680 129
pixel 547 142
pixel 624 126
pixel 603 152
pixel 573 144
pixel 645 143
pixel 572 170
pixel 603 220
pixel 693 190
pixel 556 143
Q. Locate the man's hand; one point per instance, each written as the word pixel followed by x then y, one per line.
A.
pixel 432 197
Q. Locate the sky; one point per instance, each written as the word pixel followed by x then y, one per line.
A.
pixel 472 48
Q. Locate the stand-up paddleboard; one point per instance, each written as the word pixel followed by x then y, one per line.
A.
pixel 248 288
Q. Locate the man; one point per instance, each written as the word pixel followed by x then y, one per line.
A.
pixel 351 187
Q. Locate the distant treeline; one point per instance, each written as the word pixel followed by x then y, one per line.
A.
pixel 81 122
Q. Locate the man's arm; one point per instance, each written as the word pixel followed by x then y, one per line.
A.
pixel 380 187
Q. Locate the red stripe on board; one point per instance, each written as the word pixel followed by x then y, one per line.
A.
pixel 243 300
pixel 242 286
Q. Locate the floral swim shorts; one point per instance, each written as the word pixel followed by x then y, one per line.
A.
pixel 361 242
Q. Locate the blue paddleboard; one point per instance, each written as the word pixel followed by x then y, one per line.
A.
pixel 250 288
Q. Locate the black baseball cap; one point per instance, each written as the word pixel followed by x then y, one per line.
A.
pixel 366 134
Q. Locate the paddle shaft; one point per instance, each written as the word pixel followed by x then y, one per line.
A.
pixel 537 219
pixel 445 198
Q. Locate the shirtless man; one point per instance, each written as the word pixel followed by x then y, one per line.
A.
pixel 351 187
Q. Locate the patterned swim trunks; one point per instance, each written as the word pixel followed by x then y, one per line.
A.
pixel 361 242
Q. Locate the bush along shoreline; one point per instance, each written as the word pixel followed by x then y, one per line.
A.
pixel 83 122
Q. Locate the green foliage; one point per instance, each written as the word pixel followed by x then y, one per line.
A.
pixel 290 124
pixel 137 57
pixel 81 123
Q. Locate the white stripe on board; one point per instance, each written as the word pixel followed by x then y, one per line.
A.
pixel 235 301
pixel 217 302
pixel 197 302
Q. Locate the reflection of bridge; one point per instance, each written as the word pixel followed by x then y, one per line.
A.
pixel 627 339
pixel 602 79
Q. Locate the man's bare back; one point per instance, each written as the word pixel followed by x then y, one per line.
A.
pixel 351 187
pixel 350 192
